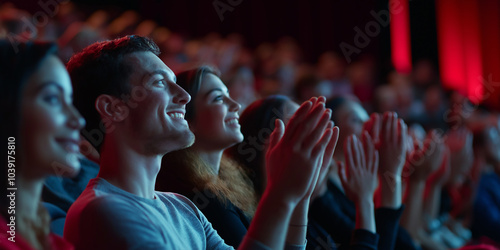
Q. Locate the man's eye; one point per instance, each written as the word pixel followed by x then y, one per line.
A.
pixel 160 83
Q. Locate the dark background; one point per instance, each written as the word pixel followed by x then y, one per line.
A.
pixel 317 25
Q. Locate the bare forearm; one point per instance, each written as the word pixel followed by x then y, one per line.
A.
pixel 270 223
pixel 365 215
pixel 413 211
pixel 432 201
pixel 391 191
pixel 297 228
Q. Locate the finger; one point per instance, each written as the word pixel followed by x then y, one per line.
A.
pixel 368 125
pixel 321 99
pixel 369 149
pixel 332 144
pixel 348 154
pixel 376 122
pixel 277 134
pixel 306 127
pixel 376 129
pixel 386 124
pixel 297 118
pixel 342 174
pixel 322 178
pixel 314 100
pixel 410 147
pixel 316 133
pixel 375 162
pixel 330 150
pixel 319 149
pixel 330 124
pixel 394 129
pixel 403 134
pixel 358 152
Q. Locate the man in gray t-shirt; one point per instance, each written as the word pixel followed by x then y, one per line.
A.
pixel 135 115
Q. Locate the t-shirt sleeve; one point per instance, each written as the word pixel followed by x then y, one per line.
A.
pixel 109 223
pixel 214 241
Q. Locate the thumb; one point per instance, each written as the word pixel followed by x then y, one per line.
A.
pixel 279 130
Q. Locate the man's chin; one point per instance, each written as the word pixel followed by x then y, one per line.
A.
pixel 189 140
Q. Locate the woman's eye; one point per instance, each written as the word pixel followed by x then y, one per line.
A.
pixel 52 99
pixel 218 98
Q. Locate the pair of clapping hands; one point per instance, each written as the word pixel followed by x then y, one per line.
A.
pixel 300 155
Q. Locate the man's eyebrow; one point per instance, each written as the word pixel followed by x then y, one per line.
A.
pixel 160 72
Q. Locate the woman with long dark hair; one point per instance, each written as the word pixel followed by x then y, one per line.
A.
pixel 256 122
pixel 42 130
pixel 218 186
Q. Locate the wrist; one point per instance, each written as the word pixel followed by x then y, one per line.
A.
pixel 389 180
pixel 277 201
pixel 365 215
pixel 416 184
pixel 391 193
pixel 364 202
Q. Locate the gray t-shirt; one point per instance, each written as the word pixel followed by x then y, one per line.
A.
pixel 107 217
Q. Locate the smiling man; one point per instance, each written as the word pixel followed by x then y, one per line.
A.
pixel 135 115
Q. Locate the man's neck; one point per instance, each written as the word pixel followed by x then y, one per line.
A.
pixel 127 169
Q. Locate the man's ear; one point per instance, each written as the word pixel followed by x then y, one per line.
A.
pixel 111 108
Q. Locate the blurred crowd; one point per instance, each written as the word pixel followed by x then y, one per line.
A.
pixel 468 132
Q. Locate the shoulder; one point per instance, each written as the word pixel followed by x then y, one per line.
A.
pixel 179 203
pixel 96 203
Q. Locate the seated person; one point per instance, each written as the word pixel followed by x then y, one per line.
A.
pixel 59 192
pixel 215 184
pixel 486 206
pixel 42 128
pixel 134 106
pixel 256 122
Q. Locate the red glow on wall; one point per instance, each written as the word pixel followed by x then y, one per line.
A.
pixel 459 44
pixel 400 35
pixel 472 50
pixel 450 45
pixel 490 41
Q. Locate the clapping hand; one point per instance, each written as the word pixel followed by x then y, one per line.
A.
pixel 295 155
pixel 359 173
